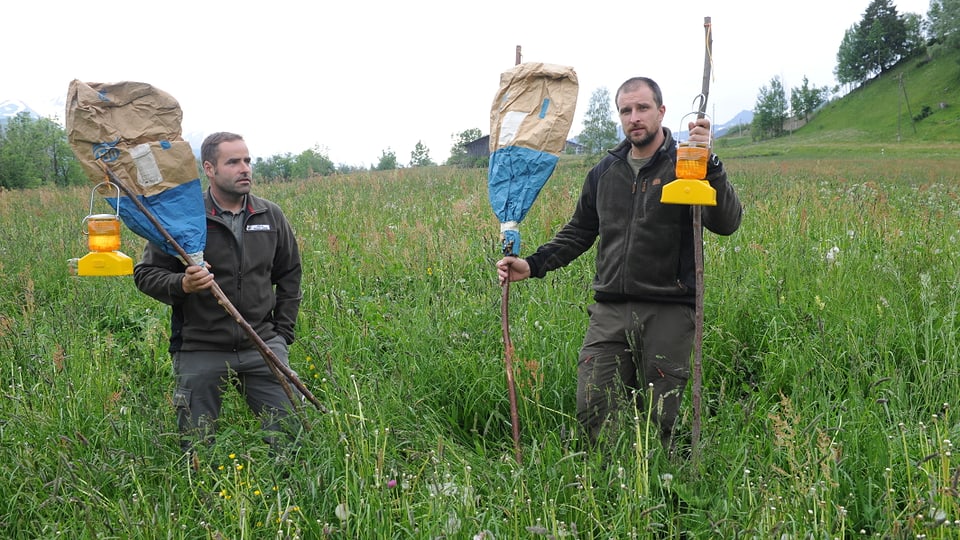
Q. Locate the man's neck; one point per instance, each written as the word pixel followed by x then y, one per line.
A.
pixel 228 204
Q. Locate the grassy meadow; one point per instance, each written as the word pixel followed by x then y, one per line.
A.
pixel 831 372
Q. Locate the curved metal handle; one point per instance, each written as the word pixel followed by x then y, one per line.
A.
pixel 93 194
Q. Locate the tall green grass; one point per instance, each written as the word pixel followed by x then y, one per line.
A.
pixel 830 374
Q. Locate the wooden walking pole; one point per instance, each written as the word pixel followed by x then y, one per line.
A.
pixel 508 350
pixel 698 261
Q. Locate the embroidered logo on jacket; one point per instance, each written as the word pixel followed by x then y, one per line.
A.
pixel 259 227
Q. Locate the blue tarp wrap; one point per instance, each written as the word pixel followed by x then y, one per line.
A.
pixel 179 210
pixel 515 178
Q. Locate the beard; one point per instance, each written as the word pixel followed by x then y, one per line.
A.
pixel 644 141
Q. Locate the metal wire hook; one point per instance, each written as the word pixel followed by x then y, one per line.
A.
pixel 96 188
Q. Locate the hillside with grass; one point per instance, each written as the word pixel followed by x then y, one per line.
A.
pixel 915 106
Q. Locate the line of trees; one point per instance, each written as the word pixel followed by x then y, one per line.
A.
pixel 306 164
pixel 420 156
pixel 34 152
pixel 869 48
pixel 773 109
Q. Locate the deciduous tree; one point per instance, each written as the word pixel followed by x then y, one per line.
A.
pixel 420 156
pixel 806 99
pixel 771 111
pixel 387 162
pixel 944 20
pixel 35 152
pixel 458 152
pixel 599 128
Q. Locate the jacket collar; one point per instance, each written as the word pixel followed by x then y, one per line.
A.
pixel 253 204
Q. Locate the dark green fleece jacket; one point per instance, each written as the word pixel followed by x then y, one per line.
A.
pixel 260 276
pixel 646 249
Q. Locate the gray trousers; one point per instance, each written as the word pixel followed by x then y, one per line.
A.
pixel 629 347
pixel 203 376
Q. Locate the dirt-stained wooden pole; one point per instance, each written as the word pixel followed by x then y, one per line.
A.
pixel 698 262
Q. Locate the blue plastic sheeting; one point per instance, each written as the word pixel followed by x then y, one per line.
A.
pixel 179 210
pixel 515 178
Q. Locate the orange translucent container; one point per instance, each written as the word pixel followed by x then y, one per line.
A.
pixel 692 161
pixel 103 232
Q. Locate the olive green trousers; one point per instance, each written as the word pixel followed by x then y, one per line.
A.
pixel 634 354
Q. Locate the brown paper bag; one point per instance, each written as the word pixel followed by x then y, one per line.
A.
pixel 133 128
pixel 534 107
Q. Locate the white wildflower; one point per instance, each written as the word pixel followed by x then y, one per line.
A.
pixel 831 255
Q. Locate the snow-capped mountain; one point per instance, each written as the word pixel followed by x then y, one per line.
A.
pixel 11 108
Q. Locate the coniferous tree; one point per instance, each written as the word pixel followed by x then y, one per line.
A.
pixel 875 44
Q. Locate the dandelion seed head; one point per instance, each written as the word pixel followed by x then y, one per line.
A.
pixel 831 255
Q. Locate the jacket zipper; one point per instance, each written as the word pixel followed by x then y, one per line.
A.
pixel 633 213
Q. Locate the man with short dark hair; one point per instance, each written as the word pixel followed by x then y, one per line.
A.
pixel 642 322
pixel 252 253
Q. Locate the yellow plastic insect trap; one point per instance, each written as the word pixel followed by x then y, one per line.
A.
pixel 691 186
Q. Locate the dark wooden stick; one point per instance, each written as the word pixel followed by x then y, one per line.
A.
pixel 698 263
pixel 508 360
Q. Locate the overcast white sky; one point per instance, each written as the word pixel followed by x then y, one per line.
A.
pixel 357 77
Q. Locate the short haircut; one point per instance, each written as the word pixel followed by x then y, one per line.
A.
pixel 210 149
pixel 636 82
